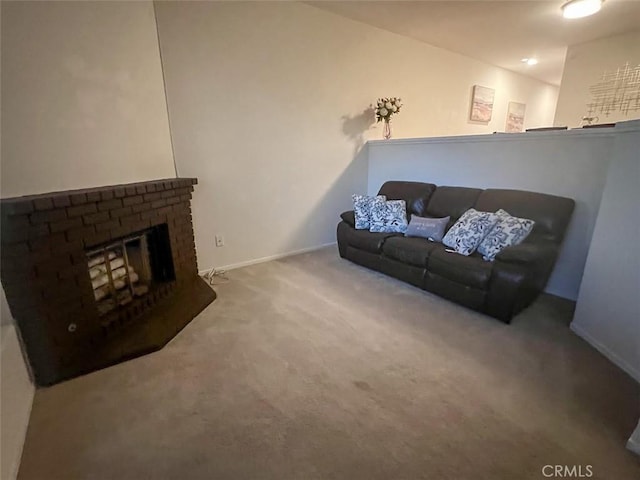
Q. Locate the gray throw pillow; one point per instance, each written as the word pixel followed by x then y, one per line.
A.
pixel 430 228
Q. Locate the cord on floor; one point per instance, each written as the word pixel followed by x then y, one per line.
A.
pixel 216 277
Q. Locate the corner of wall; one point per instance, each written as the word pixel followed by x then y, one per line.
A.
pixel 17 398
pixel 604 350
pixel 634 441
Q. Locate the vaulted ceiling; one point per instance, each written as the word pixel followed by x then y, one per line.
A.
pixel 497 32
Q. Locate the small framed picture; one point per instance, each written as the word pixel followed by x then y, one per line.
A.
pixel 482 104
pixel 515 117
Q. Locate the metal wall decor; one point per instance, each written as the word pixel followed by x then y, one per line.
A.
pixel 617 91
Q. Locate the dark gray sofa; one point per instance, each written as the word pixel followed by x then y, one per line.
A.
pixel 501 288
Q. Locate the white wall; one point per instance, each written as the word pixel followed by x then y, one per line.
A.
pixel 584 65
pixel 266 103
pixel 608 308
pixel 83 100
pixel 83 105
pixel 16 395
pixel 571 164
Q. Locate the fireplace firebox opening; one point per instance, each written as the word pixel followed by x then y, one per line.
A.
pixel 129 268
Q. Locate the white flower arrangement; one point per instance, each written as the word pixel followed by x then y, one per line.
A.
pixel 387 107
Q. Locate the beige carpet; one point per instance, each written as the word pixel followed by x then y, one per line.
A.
pixel 314 368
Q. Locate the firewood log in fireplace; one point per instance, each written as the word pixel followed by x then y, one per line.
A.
pixel 115 274
pixel 118 284
pixel 101 268
pixel 98 260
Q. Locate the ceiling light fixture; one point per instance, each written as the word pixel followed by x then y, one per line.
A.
pixel 529 61
pixel 581 8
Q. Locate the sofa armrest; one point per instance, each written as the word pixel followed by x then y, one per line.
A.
pixel 519 274
pixel 529 253
pixel 349 217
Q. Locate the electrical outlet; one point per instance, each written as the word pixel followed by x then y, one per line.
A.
pixel 219 241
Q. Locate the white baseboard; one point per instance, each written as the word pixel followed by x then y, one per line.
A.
pixel 633 443
pixel 267 259
pixel 615 358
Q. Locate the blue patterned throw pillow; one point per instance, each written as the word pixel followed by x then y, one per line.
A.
pixel 362 210
pixel 388 216
pixel 470 229
pixel 508 231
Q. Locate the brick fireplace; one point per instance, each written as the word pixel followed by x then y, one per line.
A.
pixel 97 276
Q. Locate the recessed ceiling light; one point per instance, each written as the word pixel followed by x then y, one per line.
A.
pixel 581 8
pixel 529 61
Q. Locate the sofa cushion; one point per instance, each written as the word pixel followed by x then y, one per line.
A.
pixel 366 240
pixel 362 210
pixel 388 216
pixel 551 213
pixel 402 271
pixel 456 292
pixel 508 231
pixel 467 233
pixel 471 271
pixel 410 250
pixel 429 228
pixel 452 202
pixel 415 194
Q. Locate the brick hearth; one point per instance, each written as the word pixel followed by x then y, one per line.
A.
pixel 45 276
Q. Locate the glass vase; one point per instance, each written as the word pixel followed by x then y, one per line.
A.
pixel 386 129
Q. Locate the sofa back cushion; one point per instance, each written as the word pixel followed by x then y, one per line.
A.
pixel 415 194
pixel 451 202
pixel 551 213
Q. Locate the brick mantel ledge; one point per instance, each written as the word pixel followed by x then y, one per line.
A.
pixel 50 200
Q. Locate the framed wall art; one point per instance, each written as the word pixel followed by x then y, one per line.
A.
pixel 515 117
pixel 482 103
